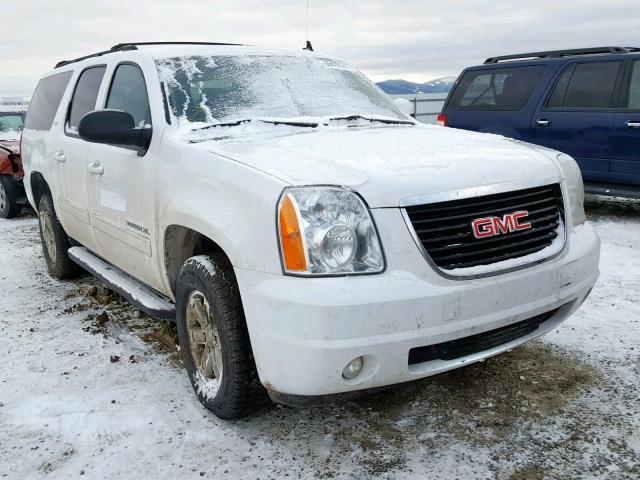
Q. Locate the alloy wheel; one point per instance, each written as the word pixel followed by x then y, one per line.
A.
pixel 204 339
pixel 3 198
pixel 48 236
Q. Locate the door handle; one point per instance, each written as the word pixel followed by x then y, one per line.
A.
pixel 60 156
pixel 543 122
pixel 95 168
pixel 633 124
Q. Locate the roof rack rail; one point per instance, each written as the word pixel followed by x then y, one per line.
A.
pixel 134 44
pixel 121 47
pixel 117 48
pixel 563 53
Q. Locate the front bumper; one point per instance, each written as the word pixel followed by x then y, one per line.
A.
pixel 305 330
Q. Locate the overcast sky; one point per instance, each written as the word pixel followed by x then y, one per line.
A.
pixel 410 39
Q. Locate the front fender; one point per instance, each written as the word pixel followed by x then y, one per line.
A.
pixel 6 168
pixel 228 202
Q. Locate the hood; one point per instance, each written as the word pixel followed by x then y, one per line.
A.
pixel 387 165
pixel 12 145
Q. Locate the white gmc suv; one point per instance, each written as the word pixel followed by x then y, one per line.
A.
pixel 303 232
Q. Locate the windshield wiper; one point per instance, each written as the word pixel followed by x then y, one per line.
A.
pixel 389 121
pixel 297 123
pixel 291 123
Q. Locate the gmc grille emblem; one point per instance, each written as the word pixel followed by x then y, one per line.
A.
pixel 492 226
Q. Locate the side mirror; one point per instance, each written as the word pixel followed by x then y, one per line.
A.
pixel 113 127
pixel 404 105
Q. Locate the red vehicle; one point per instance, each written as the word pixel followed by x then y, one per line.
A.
pixel 12 195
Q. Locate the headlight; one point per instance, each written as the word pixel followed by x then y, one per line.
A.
pixel 575 188
pixel 327 231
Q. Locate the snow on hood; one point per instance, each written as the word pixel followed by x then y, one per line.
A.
pixel 389 163
pixel 12 145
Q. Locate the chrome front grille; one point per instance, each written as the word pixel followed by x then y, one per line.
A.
pixel 446 229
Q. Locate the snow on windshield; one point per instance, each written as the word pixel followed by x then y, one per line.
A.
pixel 218 89
pixel 11 125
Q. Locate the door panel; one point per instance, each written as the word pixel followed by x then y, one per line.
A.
pixel 73 199
pixel 583 135
pixel 578 115
pixel 625 165
pixel 122 186
pixel 111 203
pixel 72 155
pixel 121 208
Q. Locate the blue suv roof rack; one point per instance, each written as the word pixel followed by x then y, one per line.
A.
pixel 563 53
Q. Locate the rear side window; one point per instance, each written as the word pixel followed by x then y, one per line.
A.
pixel 496 89
pixel 634 88
pixel 46 100
pixel 84 96
pixel 586 85
pixel 129 93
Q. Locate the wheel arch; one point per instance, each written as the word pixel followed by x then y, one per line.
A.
pixel 36 188
pixel 181 243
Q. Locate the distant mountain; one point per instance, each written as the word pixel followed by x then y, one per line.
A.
pixel 398 87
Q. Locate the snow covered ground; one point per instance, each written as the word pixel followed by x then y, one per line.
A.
pixel 89 387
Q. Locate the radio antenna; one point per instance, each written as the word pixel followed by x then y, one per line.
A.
pixel 308 43
pixel 306 37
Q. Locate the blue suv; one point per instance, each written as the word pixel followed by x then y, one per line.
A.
pixel 583 102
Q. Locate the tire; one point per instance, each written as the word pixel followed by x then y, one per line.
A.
pixel 55 242
pixel 220 362
pixel 8 195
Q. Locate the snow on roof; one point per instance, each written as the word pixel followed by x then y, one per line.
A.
pixel 164 51
pixel 181 50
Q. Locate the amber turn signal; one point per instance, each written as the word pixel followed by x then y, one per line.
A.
pixel 291 237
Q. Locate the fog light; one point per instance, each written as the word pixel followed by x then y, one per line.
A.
pixel 353 368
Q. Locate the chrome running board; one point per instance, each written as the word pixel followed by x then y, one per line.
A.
pixel 141 296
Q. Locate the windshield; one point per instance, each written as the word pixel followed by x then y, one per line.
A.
pixel 224 89
pixel 11 125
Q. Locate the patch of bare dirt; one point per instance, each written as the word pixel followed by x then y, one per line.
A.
pixel 611 208
pixel 165 340
pixel 479 404
pixel 116 313
pixel 97 324
pixel 530 472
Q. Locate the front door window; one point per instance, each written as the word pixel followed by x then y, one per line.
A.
pixel 129 93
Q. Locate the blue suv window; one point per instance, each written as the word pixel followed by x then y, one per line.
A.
pixel 495 89
pixel 634 88
pixel 586 86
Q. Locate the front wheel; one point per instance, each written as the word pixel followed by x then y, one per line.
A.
pixel 213 337
pixel 8 196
